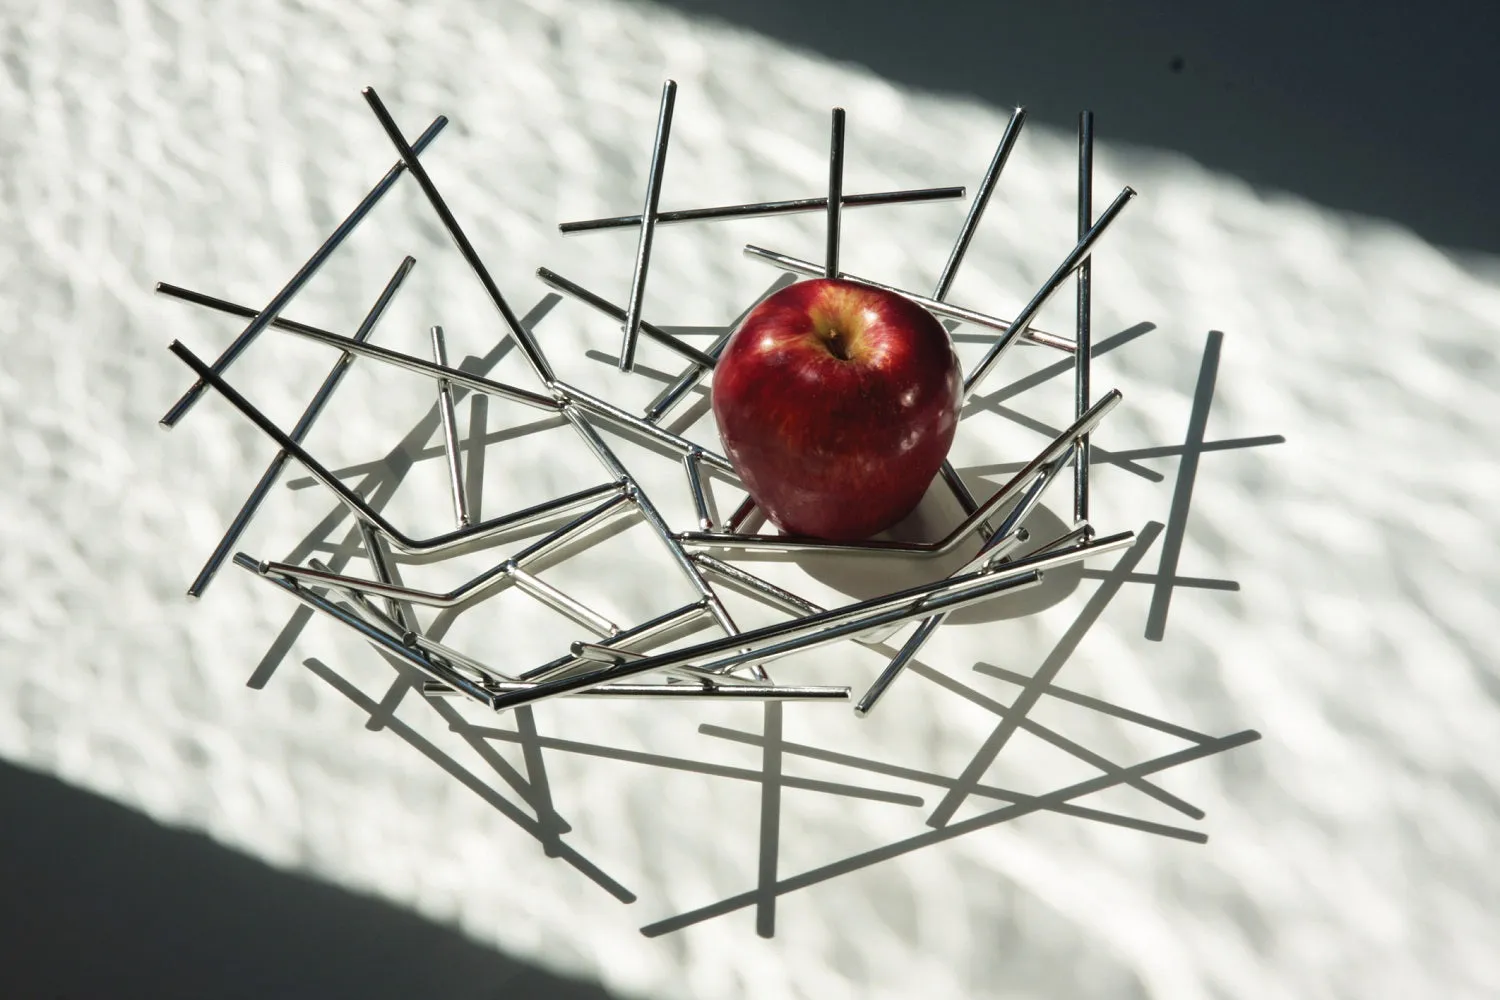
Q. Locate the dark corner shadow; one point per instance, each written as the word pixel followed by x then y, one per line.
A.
pixel 1370 108
pixel 102 902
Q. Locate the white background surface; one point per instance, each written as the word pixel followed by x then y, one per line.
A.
pixel 1349 850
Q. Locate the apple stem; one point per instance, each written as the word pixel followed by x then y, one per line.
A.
pixel 836 345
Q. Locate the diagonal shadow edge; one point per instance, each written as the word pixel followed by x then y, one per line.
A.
pixel 1034 689
pixel 502 805
pixel 931 837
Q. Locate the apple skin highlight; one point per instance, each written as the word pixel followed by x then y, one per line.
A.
pixel 837 404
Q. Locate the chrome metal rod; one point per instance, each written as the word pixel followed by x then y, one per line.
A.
pixel 309 416
pixel 524 340
pixel 741 515
pixel 1084 335
pixel 594 652
pixel 811 270
pixel 795 543
pixel 597 407
pixel 962 494
pixel 431 369
pixel 835 193
pixel 1012 132
pixel 421 366
pixel 788 637
pixel 763 209
pixel 390 591
pixel 450 432
pixel 816 624
pixel 588 653
pixel 398 621
pixel 380 619
pixel 787 600
pixel 684 383
pixel 905 655
pixel 1074 536
pixel 653 517
pixel 779 596
pixel 436 651
pixel 928 594
pixel 1055 553
pixel 606 456
pixel 853 628
pixel 436 671
pixel 279 301
pixel 690 377
pixel 695 485
pixel 552 279
pixel 923 595
pixel 980 203
pixel 364 511
pixel 615 505
pixel 1076 256
pixel 644 632
pixel 679 556
pixel 465 591
pixel 603 654
pixel 229 308
pixel 1007 536
pixel 648 225
pixel 562 603
pixel 1010 533
pixel 488 674
pixel 743 692
pixel 379 565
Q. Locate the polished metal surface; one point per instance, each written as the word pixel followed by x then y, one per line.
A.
pixel 554 280
pixel 949 474
pixel 361 509
pixel 765 209
pixel 384 641
pixel 647 631
pixel 450 432
pixel 710 692
pixel 835 193
pixel 690 465
pixel 759 645
pixel 409 362
pixel 807 268
pixel 1084 309
pixel 690 648
pixel 970 525
pixel 279 302
pixel 305 423
pixel 1023 319
pixel 648 225
pixel 980 203
pixel 509 571
pixel 523 338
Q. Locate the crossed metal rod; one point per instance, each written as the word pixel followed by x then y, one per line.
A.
pixel 575 405
pixel 614 661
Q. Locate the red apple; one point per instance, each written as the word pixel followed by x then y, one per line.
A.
pixel 837 403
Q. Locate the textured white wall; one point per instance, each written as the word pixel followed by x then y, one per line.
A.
pixel 215 147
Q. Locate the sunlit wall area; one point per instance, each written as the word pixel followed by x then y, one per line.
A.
pixel 1304 448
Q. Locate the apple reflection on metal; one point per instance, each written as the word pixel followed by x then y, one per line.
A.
pixel 837 403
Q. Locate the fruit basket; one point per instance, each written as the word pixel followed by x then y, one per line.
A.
pixel 988 554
